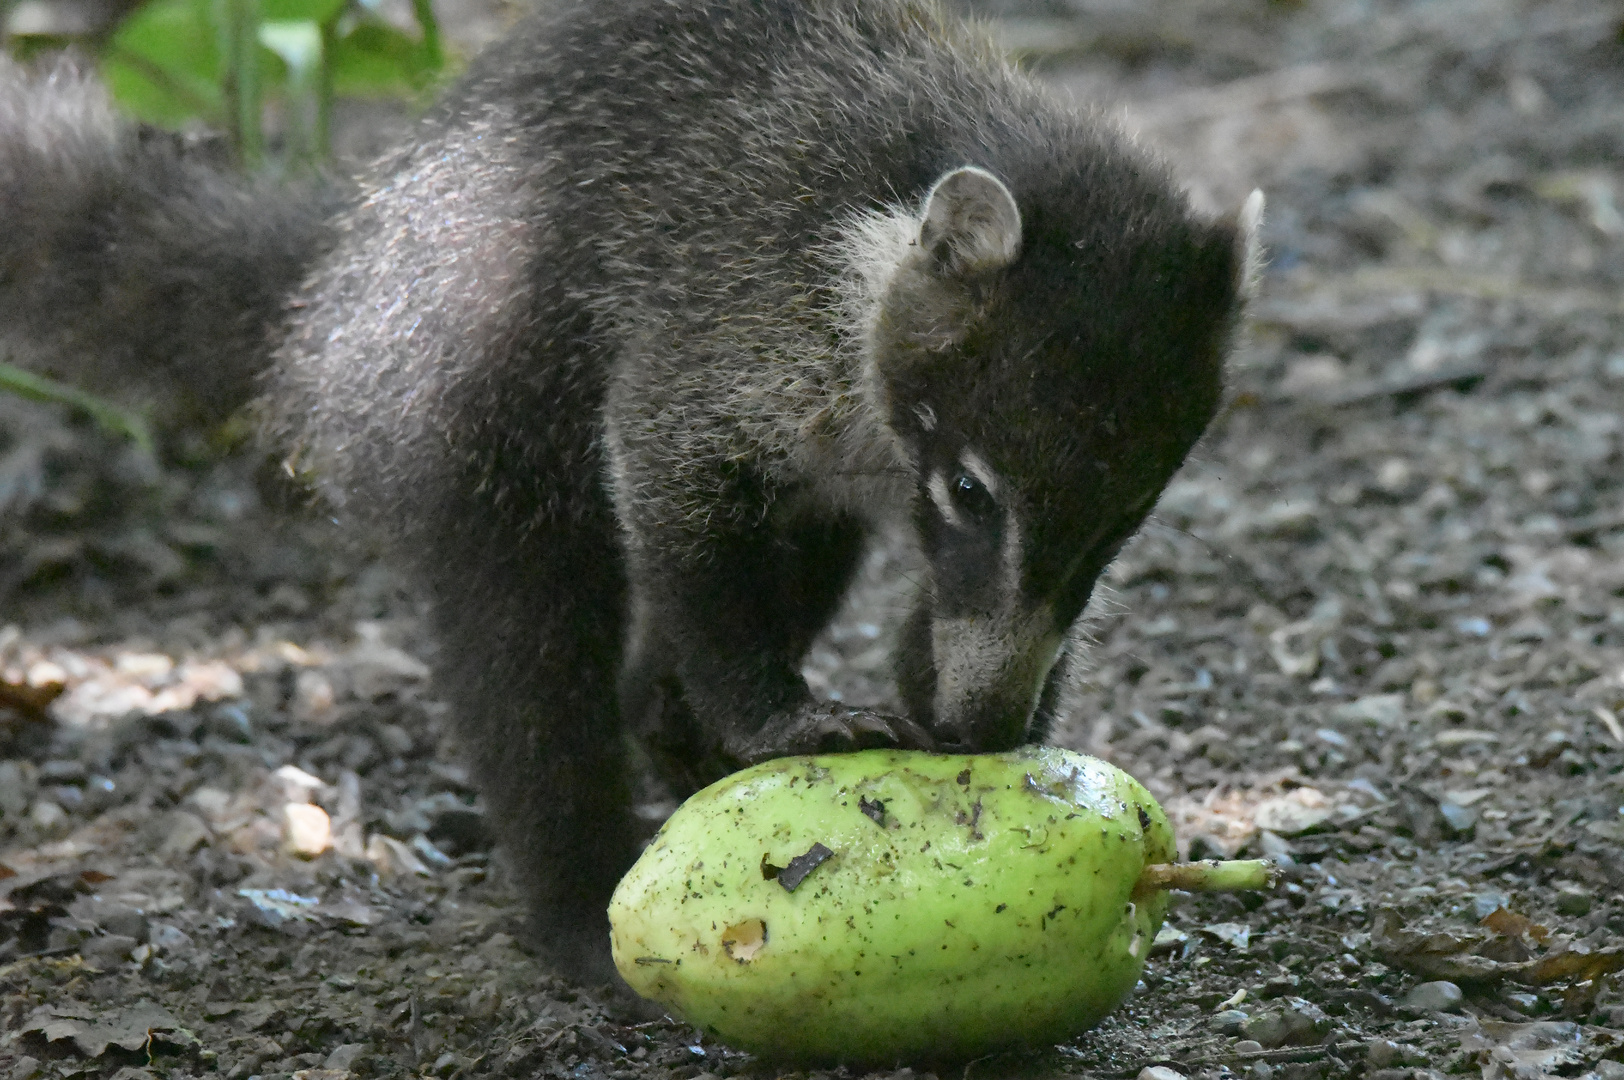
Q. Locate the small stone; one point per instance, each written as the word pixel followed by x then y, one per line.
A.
pixel 1247 1046
pixel 1381 710
pixel 343 1057
pixel 1525 1003
pixel 309 830
pixel 1459 821
pixel 108 950
pixel 1573 902
pixel 47 814
pixel 229 721
pixel 1168 939
pixel 169 940
pixel 1439 996
pixel 1486 903
pixel 1236 935
pixel 183 834
pixel 1260 1070
pixel 1299 811
pixel 16 791
pixel 395 739
pixel 1272 1029
pixel 1274 846
pixel 100 793
pixel 1380 1053
pixel 63 772
pixel 1159 1072
pixel 1608 1069
pixel 1229 1021
pixel 26 1068
pixel 391 856
pixel 119 919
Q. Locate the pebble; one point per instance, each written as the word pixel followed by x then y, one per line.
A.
pixel 1229 1021
pixel 123 920
pixel 16 792
pixel 230 722
pixel 108 950
pixel 1380 1053
pixel 47 814
pixel 343 1057
pixel 1159 1072
pixel 1247 1046
pixel 1439 996
pixel 1384 1053
pixel 62 772
pixel 183 833
pixel 1299 1024
pixel 170 940
pixel 1458 820
pixel 1609 1069
pixel 309 830
pixel 1573 902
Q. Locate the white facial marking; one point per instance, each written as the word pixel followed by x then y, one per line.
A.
pixel 937 486
pixel 926 415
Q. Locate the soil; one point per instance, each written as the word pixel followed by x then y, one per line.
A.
pixel 1375 631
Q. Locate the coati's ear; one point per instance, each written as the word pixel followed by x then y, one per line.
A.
pixel 971 223
pixel 1248 246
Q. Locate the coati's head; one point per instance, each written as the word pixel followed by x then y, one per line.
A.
pixel 1047 356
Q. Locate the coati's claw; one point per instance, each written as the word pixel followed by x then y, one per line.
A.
pixel 829 729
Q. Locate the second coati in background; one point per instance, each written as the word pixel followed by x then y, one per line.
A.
pixel 668 307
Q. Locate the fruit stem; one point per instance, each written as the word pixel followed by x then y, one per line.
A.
pixel 1209 875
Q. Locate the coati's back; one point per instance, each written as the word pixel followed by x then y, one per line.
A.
pixel 620 175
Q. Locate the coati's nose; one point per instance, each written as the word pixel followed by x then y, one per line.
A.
pixel 989 674
pixel 987 731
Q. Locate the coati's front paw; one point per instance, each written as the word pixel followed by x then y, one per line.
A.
pixel 827 729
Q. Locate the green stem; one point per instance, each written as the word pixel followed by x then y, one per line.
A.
pixel 26 384
pixel 430 25
pixel 1209 875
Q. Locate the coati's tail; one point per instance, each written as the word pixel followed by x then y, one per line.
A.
pixel 128 263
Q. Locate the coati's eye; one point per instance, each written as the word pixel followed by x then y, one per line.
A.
pixel 972 496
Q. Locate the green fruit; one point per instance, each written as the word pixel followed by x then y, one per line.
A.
pixel 961 904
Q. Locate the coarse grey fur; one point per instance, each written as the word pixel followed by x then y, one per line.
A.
pixel 667 308
pixel 122 252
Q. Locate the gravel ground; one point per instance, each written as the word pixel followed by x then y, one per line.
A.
pixel 1376 630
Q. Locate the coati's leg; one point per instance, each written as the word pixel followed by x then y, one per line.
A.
pixel 530 633
pixel 521 559
pixel 728 617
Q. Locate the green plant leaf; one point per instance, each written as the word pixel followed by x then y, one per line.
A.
pixel 163 63
pixel 315 11
pixel 374 59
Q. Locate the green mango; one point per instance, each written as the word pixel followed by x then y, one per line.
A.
pixel 887 905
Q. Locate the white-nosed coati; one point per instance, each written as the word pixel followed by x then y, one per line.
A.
pixel 656 317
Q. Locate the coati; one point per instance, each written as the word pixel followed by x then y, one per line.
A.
pixel 663 311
